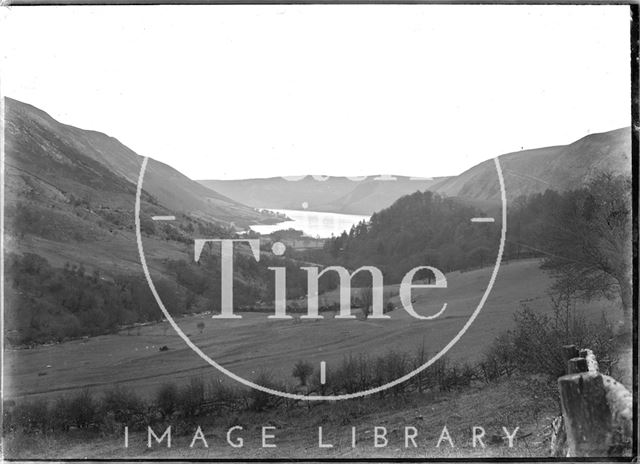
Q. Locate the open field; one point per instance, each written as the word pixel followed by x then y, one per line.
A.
pixel 254 343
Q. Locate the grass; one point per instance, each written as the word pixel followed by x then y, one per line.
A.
pixel 254 343
pixel 510 403
pixel 269 350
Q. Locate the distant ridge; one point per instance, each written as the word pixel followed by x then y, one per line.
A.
pixel 560 168
pixel 338 194
pixel 525 172
pixel 38 143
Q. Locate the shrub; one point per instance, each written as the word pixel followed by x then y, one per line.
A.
pixel 260 400
pixel 192 397
pixel 28 417
pixel 419 358
pixel 352 375
pixel 167 399
pixel 125 406
pixel 302 371
pixel 437 374
pixel 499 359
pixel 61 414
pixel 534 346
pixel 396 365
pixel 226 395
pixel 82 409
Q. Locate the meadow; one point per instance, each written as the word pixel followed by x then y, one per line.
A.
pixel 255 344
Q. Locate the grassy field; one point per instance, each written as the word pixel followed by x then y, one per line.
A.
pixel 254 343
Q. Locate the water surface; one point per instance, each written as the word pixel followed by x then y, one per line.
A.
pixel 313 223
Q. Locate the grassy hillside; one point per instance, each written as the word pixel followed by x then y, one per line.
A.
pixel 93 166
pixel 253 343
pixel 558 168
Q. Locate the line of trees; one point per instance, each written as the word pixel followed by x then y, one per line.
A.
pixel 583 236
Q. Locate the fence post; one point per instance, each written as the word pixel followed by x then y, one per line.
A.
pixel 569 352
pixel 597 411
pixel 592 363
pixel 577 365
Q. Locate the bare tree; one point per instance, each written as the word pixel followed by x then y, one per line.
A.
pixel 302 371
pixel 587 238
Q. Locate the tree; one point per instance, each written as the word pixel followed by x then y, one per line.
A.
pixel 479 256
pixel 366 297
pixel 302 371
pixel 587 240
pixel 147 226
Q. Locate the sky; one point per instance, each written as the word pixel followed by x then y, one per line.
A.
pixel 228 92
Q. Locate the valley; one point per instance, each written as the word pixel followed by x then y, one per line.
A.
pixel 253 343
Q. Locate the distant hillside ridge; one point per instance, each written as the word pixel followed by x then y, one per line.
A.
pixel 560 168
pixel 37 142
pixel 362 195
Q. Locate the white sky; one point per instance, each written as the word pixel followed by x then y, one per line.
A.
pixel 258 91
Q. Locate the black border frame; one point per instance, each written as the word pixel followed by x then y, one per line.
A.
pixel 635 141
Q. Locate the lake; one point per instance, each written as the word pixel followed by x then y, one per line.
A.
pixel 312 223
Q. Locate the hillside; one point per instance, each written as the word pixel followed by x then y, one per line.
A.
pixel 94 166
pixel 71 259
pixel 526 172
pixel 69 197
pixel 334 194
pixel 559 168
pixel 251 343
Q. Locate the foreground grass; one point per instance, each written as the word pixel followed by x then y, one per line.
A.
pixel 509 403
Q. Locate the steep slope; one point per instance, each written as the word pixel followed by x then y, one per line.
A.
pixel 38 143
pixel 560 168
pixel 531 171
pixel 72 263
pixel 335 194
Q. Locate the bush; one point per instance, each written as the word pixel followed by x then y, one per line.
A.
pixel 82 409
pixel 352 375
pixel 260 400
pixel 396 365
pixel 61 414
pixel 167 399
pixel 302 371
pixel 534 346
pixel 227 395
pixel 125 406
pixel 192 397
pixel 29 417
pixel 499 359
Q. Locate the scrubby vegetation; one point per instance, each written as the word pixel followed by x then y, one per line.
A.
pixel 532 351
pixel 534 346
pixel 584 236
pixel 49 304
